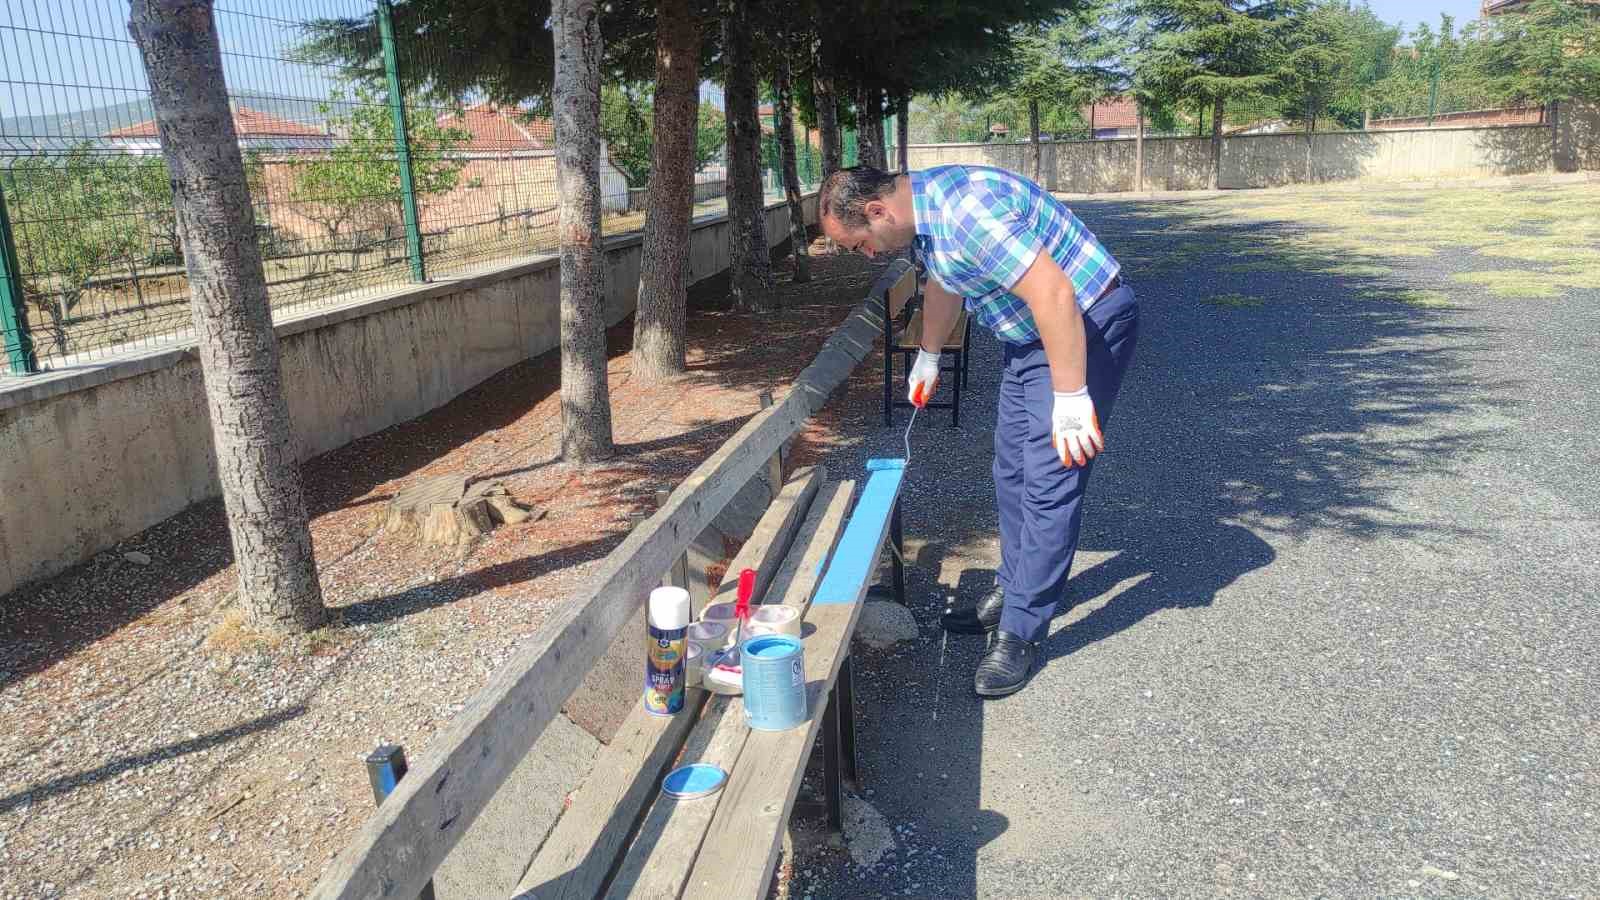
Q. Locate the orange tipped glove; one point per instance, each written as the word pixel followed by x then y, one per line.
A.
pixel 923 379
pixel 1074 428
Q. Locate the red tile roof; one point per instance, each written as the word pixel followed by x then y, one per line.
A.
pixel 246 121
pixel 1113 112
pixel 500 128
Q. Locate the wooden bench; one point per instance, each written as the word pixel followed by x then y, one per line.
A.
pixel 621 837
pixel 902 337
pixel 397 850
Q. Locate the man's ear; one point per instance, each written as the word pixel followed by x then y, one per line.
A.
pixel 875 210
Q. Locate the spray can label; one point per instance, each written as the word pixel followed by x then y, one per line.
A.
pixel 664 662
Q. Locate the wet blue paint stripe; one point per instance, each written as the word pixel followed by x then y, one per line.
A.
pixel 857 554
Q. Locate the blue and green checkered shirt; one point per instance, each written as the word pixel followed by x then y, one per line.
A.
pixel 978 231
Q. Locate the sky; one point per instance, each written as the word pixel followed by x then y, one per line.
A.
pixel 62 55
pixel 1410 12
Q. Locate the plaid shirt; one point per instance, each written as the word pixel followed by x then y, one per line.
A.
pixel 978 231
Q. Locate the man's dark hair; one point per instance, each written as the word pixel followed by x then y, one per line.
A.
pixel 844 194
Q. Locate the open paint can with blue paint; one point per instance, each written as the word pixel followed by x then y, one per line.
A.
pixel 774 681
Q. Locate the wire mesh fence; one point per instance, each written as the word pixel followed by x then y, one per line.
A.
pixel 343 210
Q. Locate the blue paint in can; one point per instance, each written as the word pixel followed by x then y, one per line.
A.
pixel 774 681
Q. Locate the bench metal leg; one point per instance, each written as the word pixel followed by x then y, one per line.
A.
pixel 846 689
pixel 898 555
pixel 832 790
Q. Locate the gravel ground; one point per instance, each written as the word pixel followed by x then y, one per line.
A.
pixel 1332 624
pixel 153 749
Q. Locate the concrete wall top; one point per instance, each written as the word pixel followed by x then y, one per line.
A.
pixel 22 390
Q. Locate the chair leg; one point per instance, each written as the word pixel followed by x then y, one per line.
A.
pixel 832 791
pixel 955 404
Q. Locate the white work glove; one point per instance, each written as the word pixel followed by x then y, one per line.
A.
pixel 923 379
pixel 1074 428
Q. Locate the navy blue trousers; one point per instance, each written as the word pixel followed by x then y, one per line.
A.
pixel 1041 501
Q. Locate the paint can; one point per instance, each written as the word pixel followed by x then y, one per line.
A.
pixel 775 619
pixel 694 659
pixel 666 651
pixel 708 634
pixel 774 681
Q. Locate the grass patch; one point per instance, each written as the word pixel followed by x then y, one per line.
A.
pixel 235 637
pixel 1234 301
pixel 1512 283
pixel 1540 250
pixel 1356 270
pixel 1412 297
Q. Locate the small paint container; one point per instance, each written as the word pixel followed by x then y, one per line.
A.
pixel 694 781
pixel 774 681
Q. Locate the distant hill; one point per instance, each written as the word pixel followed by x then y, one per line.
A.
pixel 88 123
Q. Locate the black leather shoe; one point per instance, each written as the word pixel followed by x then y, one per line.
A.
pixel 982 618
pixel 1006 667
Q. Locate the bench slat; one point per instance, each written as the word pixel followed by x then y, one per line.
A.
pixel 658 862
pixel 399 847
pixel 586 841
pixel 741 846
pixel 862 543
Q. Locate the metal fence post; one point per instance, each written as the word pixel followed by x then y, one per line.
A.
pixel 13 311
pixel 402 142
pixel 385 767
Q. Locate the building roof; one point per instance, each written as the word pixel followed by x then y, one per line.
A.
pixel 1113 112
pixel 500 128
pixel 249 123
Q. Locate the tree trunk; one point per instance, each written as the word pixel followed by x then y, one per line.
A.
pixel 1037 160
pixel 585 394
pixel 798 237
pixel 1138 148
pixel 257 456
pixel 903 132
pixel 658 344
pixel 1555 135
pixel 869 131
pixel 1216 144
pixel 750 258
pixel 822 87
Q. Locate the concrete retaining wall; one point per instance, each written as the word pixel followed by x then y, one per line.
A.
pixel 1273 160
pixel 96 454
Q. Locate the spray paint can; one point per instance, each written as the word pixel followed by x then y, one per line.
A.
pixel 666 651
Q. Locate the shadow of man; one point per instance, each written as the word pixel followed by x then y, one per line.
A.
pixel 1155 567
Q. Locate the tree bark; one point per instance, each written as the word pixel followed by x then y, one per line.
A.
pixel 903 132
pixel 827 99
pixel 1138 148
pixel 658 342
pixel 1037 160
pixel 1216 143
pixel 798 237
pixel 585 394
pixel 750 258
pixel 869 128
pixel 257 456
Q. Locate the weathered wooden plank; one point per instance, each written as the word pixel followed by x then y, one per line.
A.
pixel 659 859
pixel 583 847
pixel 775 533
pixel 862 544
pixel 741 844
pixel 397 850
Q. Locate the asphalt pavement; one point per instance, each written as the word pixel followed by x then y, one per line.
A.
pixel 1332 627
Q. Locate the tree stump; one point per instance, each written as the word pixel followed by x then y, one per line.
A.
pixel 447 510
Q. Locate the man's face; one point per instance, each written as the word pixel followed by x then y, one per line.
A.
pixel 883 233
